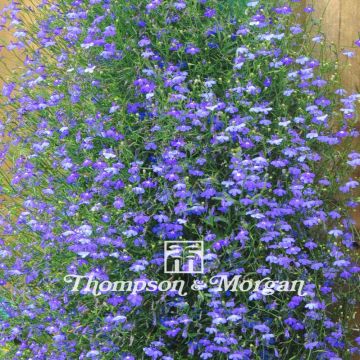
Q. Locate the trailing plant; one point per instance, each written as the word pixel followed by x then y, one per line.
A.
pixel 135 123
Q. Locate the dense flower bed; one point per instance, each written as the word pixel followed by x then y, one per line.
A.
pixel 138 122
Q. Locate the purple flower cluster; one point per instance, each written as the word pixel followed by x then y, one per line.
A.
pixel 139 122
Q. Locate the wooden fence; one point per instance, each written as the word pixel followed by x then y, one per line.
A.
pixel 341 24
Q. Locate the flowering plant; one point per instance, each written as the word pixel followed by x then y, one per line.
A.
pixel 139 122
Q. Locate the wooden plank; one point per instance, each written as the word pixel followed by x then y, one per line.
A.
pixel 340 23
pixel 349 32
pixel 328 12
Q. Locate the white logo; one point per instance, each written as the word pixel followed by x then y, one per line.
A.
pixel 184 257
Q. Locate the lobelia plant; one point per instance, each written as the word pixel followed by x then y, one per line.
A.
pixel 136 122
